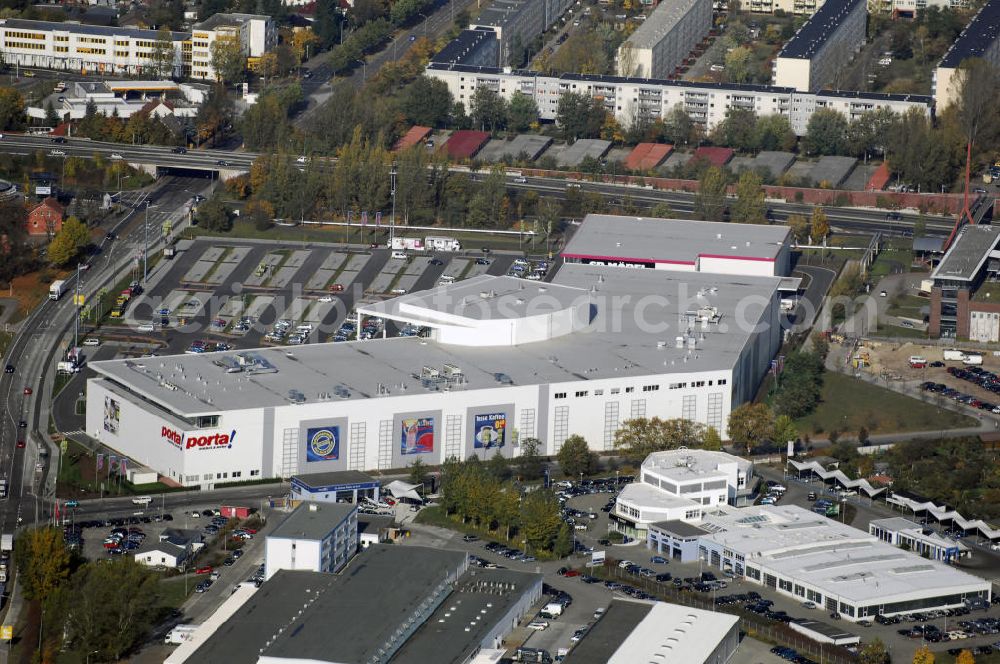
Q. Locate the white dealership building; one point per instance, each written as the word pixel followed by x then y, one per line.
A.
pixel 505 359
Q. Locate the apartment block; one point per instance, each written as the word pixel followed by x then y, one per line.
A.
pixel 665 38
pixel 822 47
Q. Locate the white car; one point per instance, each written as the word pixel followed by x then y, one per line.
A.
pixel 302 160
pixel 195 515
pixel 91 341
pixel 538 625
pixel 717 67
pixel 115 155
pixel 146 327
pixel 57 153
pixel 326 298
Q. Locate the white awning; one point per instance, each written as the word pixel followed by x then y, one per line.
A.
pixel 401 489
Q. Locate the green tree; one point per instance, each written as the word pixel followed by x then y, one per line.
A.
pixel 819 225
pixel 161 56
pixel 575 457
pixel 678 126
pixel 774 132
pixel 711 440
pixel 213 215
pixel 710 201
pixel 540 520
pixel 112 606
pixel 751 424
pixel 228 60
pixel 427 102
pixel 737 129
pixel 507 510
pixel 488 109
pixel 923 656
pixel 419 473
pixel 749 207
pixel 738 65
pixel 579 116
pixel 785 429
pixel 563 546
pixel 528 462
pixel 826 133
pixel 43 561
pixel 639 437
pixel 498 467
pixel 874 652
pixel 66 245
pixel 799 227
pixel 522 111
pixel 11 109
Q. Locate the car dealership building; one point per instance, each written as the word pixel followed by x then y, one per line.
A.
pixel 506 360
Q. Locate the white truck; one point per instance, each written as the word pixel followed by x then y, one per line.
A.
pixel 442 243
pixel 972 359
pixel 67 368
pixel 3 491
pixel 552 610
pixel 56 289
pixel 404 243
pixel 7 542
pixel 954 355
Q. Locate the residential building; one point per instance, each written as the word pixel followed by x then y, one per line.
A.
pixel 256 34
pixel 111 50
pixel 517 23
pixel 664 39
pixel 636 99
pixel 317 537
pixel 979 39
pixel 46 218
pixel 479 47
pixel 817 54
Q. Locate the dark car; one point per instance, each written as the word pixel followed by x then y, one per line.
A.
pixel 59 139
pixel 179 150
pixel 9 369
pixel 437 261
pixel 22 425
pixel 222 162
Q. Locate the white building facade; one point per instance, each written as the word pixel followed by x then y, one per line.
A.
pixel 821 48
pixel 314 538
pixel 664 39
pixel 633 99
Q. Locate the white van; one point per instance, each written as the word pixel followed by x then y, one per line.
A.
pixel 142 500
pixel 400 255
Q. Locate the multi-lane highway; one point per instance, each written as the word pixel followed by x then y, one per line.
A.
pixel 41 338
pixel 850 219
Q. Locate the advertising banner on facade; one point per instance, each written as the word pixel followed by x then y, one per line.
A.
pixel 416 435
pixel 323 444
pixel 489 430
pixel 112 415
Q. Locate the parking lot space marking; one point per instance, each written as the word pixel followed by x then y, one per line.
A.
pixel 222 272
pixel 384 279
pixel 237 254
pixel 317 312
pixel 417 265
pixel 262 273
pixel 406 282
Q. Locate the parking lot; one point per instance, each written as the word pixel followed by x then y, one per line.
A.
pixel 233 292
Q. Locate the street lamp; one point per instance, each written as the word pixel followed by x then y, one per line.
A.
pixel 364 72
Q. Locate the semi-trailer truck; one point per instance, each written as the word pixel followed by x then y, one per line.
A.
pixel 56 289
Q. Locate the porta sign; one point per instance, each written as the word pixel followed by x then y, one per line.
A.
pixel 181 440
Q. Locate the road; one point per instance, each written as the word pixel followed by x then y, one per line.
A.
pixel 43 335
pixel 847 219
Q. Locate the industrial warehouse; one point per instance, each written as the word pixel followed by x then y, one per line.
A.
pixel 504 360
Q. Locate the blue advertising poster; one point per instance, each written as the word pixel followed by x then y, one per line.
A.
pixel 417 435
pixel 323 444
pixel 490 430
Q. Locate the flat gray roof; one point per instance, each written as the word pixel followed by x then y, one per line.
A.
pixel 313 521
pixel 833 170
pixel 826 629
pixel 498 13
pixel 334 478
pixel 531 145
pixel 457 628
pixel 968 253
pixel 345 617
pixel 895 523
pixel 672 240
pixel 679 528
pixel 616 344
pixel 609 632
pixel 583 148
pixel 81 29
pixel 977 37
pixel 775 163
pixel 815 32
pixel 660 22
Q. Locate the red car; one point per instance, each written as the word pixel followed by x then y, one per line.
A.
pixel 337 288
pixel 207 569
pixel 572 572
pixel 27 391
pixel 252 531
pixel 20 444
